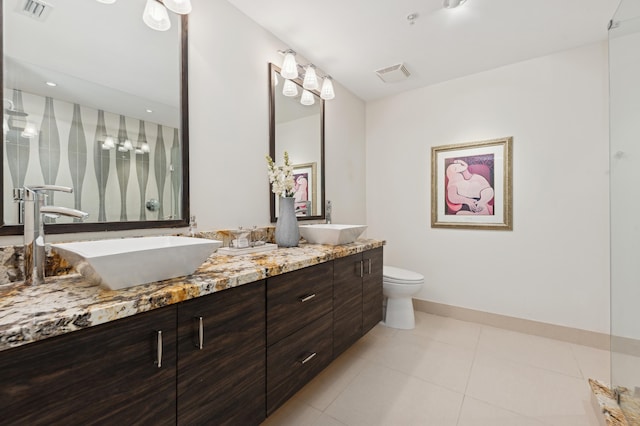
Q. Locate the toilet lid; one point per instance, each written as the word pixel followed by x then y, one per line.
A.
pixel 393 274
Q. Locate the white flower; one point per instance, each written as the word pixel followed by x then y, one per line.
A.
pixel 281 177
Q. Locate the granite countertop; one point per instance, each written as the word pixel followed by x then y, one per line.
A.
pixel 68 303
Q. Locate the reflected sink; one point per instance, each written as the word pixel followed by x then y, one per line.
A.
pixel 127 262
pixel 329 233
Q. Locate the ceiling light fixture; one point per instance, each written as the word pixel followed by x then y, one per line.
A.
pixel 155 12
pixel 309 75
pixel 451 4
pixel 310 81
pixel 327 92
pixel 289 69
pixel 50 83
pixel 106 1
pixel 155 16
pixel 181 7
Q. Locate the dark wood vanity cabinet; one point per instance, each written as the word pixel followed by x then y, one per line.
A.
pixel 299 330
pixel 107 374
pixel 357 297
pixel 221 357
pixel 232 357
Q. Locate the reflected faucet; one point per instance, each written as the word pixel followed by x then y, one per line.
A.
pixel 33 201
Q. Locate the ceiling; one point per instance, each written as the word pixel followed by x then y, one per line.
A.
pixel 350 39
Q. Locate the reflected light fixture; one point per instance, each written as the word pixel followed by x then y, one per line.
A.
pixel 290 88
pixel 128 145
pixel 327 92
pixel 145 147
pixel 108 143
pixel 29 131
pixel 181 7
pixel 289 68
pixel 155 16
pixel 451 4
pixel 310 81
pixel 307 98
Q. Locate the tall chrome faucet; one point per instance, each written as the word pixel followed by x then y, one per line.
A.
pixel 33 200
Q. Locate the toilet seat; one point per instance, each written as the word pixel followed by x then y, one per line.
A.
pixel 391 274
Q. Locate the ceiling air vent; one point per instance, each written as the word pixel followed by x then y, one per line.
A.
pixel 393 73
pixel 36 9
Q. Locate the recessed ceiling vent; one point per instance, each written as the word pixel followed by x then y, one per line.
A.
pixel 36 9
pixel 394 73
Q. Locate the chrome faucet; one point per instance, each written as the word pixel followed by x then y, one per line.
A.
pixel 33 201
pixel 328 211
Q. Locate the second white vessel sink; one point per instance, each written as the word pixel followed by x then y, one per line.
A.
pixel 127 262
pixel 329 233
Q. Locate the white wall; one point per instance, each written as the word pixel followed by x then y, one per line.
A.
pixel 553 267
pixel 229 128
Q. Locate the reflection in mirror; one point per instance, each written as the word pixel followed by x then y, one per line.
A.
pixel 299 130
pixel 95 100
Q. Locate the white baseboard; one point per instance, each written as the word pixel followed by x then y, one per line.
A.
pixel 552 331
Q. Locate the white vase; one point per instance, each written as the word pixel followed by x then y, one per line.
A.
pixel 287 232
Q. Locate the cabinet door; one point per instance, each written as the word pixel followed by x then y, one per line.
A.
pixel 347 302
pixel 372 289
pixel 106 374
pixel 222 381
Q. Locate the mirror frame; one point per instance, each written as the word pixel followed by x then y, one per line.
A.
pixel 272 144
pixel 63 228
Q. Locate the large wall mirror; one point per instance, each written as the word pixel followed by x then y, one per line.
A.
pixel 299 130
pixel 95 100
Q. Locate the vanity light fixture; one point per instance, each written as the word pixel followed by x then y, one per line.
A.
pixel 307 98
pixel 128 145
pixel 310 75
pixel 327 92
pixel 452 4
pixel 109 143
pixel 289 68
pixel 155 16
pixel 289 88
pixel 181 7
pixel 310 81
pixel 145 147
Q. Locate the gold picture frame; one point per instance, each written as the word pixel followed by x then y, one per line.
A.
pixel 472 185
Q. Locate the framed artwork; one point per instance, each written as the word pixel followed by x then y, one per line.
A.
pixel 304 191
pixel 471 185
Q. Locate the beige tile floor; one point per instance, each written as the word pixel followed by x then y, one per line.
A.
pixel 449 372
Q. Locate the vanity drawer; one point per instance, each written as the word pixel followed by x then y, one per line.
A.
pixel 295 360
pixel 297 298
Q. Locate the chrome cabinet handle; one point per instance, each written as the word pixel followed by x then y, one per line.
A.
pixel 309 358
pixel 200 333
pixel 369 266
pixel 361 269
pixel 307 298
pixel 159 349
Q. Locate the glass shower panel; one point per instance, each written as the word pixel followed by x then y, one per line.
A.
pixel 624 86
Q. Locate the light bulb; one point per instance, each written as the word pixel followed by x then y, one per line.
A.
pixel 155 16
pixel 290 88
pixel 289 66
pixel 307 98
pixel 181 7
pixel 327 92
pixel 145 147
pixel 128 145
pixel 310 78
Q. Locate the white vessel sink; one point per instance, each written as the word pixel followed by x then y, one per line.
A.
pixel 127 262
pixel 329 233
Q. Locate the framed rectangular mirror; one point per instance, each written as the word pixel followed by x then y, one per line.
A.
pixel 299 130
pixel 95 100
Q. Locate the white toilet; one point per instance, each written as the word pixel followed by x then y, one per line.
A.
pixel 398 286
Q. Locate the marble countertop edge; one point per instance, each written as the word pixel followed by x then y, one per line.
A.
pixel 70 303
